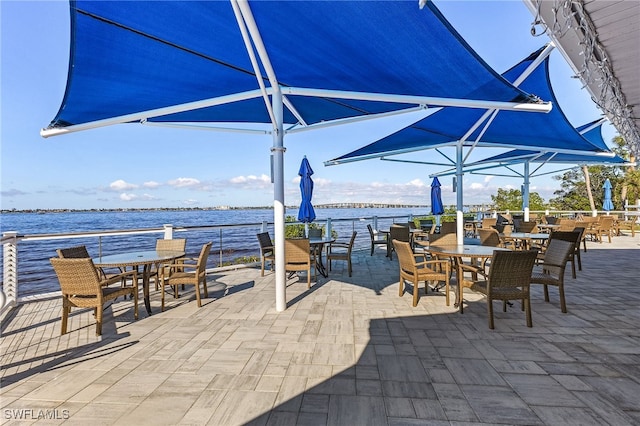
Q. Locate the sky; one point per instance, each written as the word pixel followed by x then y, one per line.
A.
pixel 135 166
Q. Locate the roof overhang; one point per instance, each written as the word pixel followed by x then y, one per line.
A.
pixel 599 40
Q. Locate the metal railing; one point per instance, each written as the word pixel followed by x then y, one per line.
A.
pixel 10 294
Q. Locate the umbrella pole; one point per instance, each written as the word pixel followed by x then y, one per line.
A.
pixel 278 201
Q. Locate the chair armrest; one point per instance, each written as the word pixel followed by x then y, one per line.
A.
pixel 119 277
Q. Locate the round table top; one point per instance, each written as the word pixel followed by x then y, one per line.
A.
pixel 134 258
pixel 527 235
pixel 313 241
pixel 465 250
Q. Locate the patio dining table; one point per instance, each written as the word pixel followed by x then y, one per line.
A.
pixel 317 244
pixel 136 259
pixel 527 238
pixel 457 254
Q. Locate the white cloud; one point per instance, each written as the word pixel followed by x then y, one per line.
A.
pixel 252 181
pixel 476 185
pixel 121 185
pixel 488 179
pixel 190 202
pixel 184 182
pixel 128 197
pixel 151 184
pixel 417 182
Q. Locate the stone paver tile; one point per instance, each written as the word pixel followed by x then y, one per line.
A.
pixel 496 404
pixel 399 407
pixel 241 407
pixel 542 390
pixel 356 410
pixel 569 416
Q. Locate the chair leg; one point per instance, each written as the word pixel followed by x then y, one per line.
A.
pixel 198 295
pixel 546 293
pixel 490 312
pixel 527 309
pixel 99 321
pixel 65 317
pixel 349 266
pixel 372 246
pixel 262 268
pixel 162 297
pixel 415 293
pixel 563 304
pixel 579 260
pixel 401 287
pixel 446 287
pixel 573 267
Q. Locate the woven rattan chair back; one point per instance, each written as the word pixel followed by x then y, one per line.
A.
pixel 266 251
pixel 574 237
pixel 77 252
pixel 566 224
pixel 488 222
pixel 297 257
pixel 448 228
pixel 176 244
pixel 511 270
pixel 528 226
pixel 443 239
pixel 315 233
pixel 489 237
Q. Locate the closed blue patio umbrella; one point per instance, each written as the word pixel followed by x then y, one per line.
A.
pixel 436 200
pixel 607 204
pixel 306 214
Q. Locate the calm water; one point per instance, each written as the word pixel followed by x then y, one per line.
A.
pixel 35 274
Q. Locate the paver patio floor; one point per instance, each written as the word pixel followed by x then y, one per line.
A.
pixel 348 351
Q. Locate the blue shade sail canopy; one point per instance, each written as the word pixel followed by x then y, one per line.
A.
pixel 186 61
pixel 306 213
pixel 551 131
pixel 436 197
pixel 607 204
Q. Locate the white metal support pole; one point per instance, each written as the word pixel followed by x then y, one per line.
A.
pixel 278 200
pixel 168 231
pixel 459 200
pixel 525 192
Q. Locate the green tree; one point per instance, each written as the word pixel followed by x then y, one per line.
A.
pixel 511 199
pixel 573 195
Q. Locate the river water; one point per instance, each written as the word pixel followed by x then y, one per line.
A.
pixel 36 276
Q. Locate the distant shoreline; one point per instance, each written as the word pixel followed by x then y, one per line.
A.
pixel 220 208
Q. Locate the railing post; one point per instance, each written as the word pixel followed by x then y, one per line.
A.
pixel 264 227
pixel 375 222
pixel 168 231
pixel 9 293
pixel 328 227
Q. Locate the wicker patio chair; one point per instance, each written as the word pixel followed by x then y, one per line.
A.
pixel 566 224
pixel 175 244
pixel 400 233
pixel 374 241
pixel 82 287
pixel 267 251
pixel 188 271
pixel 443 239
pixel 81 252
pixel 341 251
pixel 603 228
pixel 551 270
pixel 488 222
pixel 425 270
pixel 527 226
pixel 298 258
pixel 448 228
pixel 508 279
pixel 574 237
